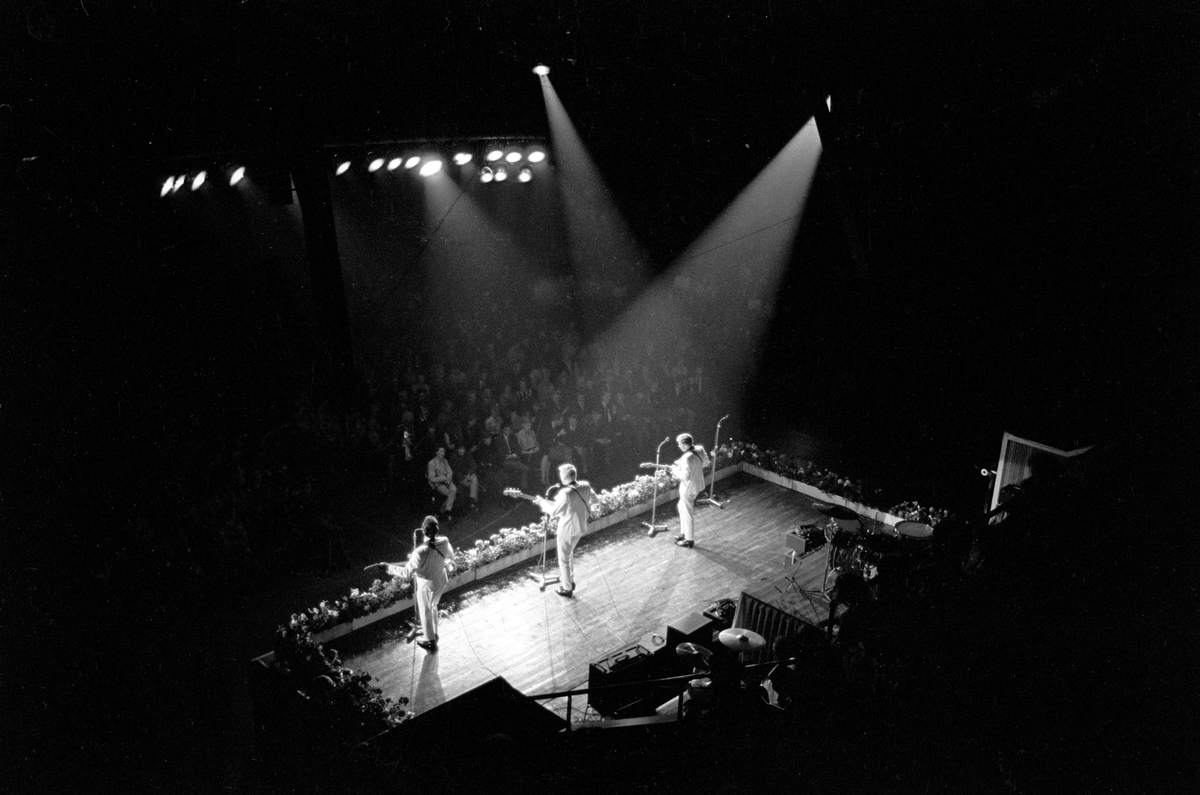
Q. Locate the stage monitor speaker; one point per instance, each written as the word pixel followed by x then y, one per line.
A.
pixel 629 664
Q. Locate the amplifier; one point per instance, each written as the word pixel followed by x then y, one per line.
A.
pixel 633 663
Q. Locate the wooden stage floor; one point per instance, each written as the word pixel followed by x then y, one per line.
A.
pixel 627 585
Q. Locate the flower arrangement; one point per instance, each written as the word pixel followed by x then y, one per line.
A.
pixel 351 709
pixel 796 468
pixel 916 512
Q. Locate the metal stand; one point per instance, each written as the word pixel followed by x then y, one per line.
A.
pixel 712 498
pixel 540 574
pixel 651 527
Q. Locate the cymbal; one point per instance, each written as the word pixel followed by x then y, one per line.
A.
pixel 693 650
pixel 836 511
pixel 809 516
pixel 741 639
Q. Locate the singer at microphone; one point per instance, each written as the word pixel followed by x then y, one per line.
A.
pixel 689 468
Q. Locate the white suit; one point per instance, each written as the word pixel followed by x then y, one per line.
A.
pixel 570 508
pixel 689 468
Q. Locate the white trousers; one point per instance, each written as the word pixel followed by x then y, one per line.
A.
pixel 427 597
pixel 566 563
pixel 687 513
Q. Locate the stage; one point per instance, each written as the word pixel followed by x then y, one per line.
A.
pixel 627 586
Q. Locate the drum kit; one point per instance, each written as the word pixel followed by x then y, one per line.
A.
pixel 864 549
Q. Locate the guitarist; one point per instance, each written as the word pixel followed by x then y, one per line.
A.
pixel 570 507
pixel 689 468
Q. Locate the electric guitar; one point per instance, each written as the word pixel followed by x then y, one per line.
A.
pixel 517 493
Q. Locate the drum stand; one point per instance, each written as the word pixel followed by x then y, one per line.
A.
pixel 712 498
pixel 651 527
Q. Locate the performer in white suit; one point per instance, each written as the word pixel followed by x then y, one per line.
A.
pixel 428 565
pixel 570 507
pixel 689 468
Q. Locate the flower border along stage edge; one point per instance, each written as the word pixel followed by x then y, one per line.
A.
pixel 513 546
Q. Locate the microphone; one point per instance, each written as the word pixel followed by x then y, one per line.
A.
pixel 722 419
pixel 666 440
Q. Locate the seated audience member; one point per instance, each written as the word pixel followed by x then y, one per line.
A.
pixel 528 441
pixel 466 473
pixel 441 479
pixel 509 453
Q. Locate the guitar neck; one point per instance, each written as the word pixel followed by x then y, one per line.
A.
pixel 521 494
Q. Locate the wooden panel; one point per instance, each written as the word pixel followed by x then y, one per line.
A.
pixel 627 586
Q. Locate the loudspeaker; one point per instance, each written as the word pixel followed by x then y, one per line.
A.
pixel 691 628
pixel 628 664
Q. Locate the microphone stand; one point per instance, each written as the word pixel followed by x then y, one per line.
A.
pixel 540 576
pixel 651 527
pixel 712 498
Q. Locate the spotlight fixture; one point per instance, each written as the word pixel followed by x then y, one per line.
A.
pixel 525 174
pixel 412 161
pixel 394 163
pixel 494 154
pixel 430 167
pixel 199 180
pixel 178 183
pixel 238 174
pixel 536 156
pixel 501 174
pixel 462 158
pixel 376 164
pixel 343 167
pixel 541 70
pixel 513 156
pixel 486 174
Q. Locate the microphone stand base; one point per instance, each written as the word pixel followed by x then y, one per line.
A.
pixel 652 529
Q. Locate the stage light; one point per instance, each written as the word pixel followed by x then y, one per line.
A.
pixel 199 180
pixel 343 167
pixel 486 174
pixel 537 156
pixel 541 70
pixel 430 168
pixel 178 183
pixel 462 158
pixel 166 187
pixel 376 164
pixel 237 175
pixel 501 174
pixel 513 157
pixel 412 161
pixel 394 163
pixel 494 155
pixel 525 174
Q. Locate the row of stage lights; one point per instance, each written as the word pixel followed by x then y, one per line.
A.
pixel 498 162
pixel 173 184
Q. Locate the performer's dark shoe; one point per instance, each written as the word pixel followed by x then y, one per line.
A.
pixel 678 538
pixel 564 592
pixel 428 645
pixel 683 542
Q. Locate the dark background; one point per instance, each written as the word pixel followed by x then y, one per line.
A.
pixel 1020 181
